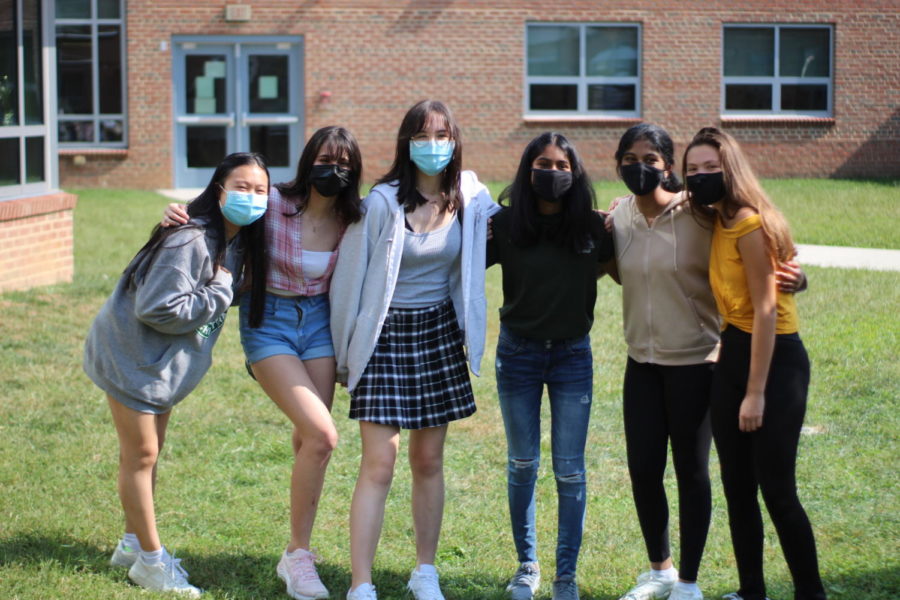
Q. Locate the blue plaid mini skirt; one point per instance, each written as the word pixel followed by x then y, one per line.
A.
pixel 417 376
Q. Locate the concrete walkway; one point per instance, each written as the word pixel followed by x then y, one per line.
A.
pixel 820 256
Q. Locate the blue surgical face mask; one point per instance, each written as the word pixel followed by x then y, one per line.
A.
pixel 243 208
pixel 431 156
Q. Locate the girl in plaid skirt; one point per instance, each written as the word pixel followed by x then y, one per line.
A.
pixel 407 296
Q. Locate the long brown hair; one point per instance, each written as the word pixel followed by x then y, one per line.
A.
pixel 742 189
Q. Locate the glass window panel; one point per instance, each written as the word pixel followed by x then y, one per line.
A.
pixel 31 63
pixel 268 83
pixel 804 52
pixel 553 50
pixel 34 159
pixel 749 52
pixel 73 9
pixel 75 131
pixel 554 96
pixel 205 84
pixel 73 70
pixel 206 146
pixel 611 97
pixel 9 166
pixel 108 9
pixel 112 130
pixel 109 69
pixel 804 97
pixel 272 142
pixel 9 66
pixel 748 97
pixel 612 51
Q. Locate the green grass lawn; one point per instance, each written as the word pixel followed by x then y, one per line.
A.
pixel 223 485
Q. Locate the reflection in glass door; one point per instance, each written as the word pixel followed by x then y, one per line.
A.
pixel 236 96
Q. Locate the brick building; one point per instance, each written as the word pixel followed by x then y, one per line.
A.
pixel 151 93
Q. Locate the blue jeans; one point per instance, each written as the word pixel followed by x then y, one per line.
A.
pixel 523 367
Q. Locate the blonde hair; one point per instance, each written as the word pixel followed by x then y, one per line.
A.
pixel 742 189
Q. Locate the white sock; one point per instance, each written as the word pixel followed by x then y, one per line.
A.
pixel 151 558
pixel 426 569
pixel 131 540
pixel 686 587
pixel 670 574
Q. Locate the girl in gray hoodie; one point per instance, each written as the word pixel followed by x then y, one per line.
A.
pixel 151 343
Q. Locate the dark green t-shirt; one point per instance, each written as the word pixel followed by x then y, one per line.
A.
pixel 549 291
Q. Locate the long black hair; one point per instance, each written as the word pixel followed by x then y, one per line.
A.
pixel 661 142
pixel 340 141
pixel 574 230
pixel 206 214
pixel 403 171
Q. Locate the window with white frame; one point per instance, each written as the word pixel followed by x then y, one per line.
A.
pixel 590 69
pixel 90 71
pixel 24 166
pixel 777 70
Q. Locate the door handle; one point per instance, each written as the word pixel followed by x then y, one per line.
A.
pixel 198 120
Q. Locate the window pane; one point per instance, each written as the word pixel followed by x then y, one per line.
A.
pixel 9 69
pixel 748 97
pixel 804 97
pixel 612 51
pixel 804 52
pixel 73 70
pixel 9 166
pixel 611 97
pixel 205 82
pixel 205 146
pixel 554 97
pixel 749 51
pixel 268 83
pixel 34 159
pixel 31 54
pixel 73 9
pixel 109 56
pixel 553 50
pixel 108 9
pixel 272 142
pixel 112 130
pixel 76 131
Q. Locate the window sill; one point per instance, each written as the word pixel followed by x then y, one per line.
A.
pixel 93 151
pixel 582 119
pixel 777 120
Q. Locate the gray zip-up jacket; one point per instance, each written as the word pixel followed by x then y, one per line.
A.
pixel 151 343
pixel 368 264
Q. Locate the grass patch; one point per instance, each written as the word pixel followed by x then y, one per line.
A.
pixel 223 487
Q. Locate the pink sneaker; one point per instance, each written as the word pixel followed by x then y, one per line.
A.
pixel 298 571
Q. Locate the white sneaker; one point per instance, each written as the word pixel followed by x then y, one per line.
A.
pixel 526 582
pixel 364 591
pixel 423 583
pixel 684 593
pixel 650 587
pixel 165 576
pixel 298 571
pixel 123 555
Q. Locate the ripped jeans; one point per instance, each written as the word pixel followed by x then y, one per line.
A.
pixel 523 367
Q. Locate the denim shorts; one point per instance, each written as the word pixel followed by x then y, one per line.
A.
pixel 299 326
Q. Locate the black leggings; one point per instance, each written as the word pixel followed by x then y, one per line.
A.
pixel 663 403
pixel 764 459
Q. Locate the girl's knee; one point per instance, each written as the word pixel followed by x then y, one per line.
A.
pixel 427 466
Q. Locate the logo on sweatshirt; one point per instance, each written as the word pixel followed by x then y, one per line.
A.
pixel 207 330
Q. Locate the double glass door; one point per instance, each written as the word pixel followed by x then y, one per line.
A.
pixel 236 95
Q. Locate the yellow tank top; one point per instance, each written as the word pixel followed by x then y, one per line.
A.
pixel 729 281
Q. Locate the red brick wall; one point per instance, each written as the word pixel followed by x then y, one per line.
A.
pixel 377 58
pixel 36 241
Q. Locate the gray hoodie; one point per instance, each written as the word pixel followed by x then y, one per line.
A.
pixel 151 343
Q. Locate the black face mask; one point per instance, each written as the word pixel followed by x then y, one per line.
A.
pixel 329 180
pixel 641 178
pixel 551 185
pixel 706 188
